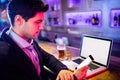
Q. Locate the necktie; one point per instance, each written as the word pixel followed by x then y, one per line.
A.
pixel 34 58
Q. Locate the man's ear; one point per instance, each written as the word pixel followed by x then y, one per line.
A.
pixel 18 20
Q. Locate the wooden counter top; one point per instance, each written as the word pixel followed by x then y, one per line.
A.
pixel 113 73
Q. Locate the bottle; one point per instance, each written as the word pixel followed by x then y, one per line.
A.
pixel 55 17
pixel 119 20
pixel 96 20
pixel 49 19
pixel 93 20
pixel 115 19
pixel 52 8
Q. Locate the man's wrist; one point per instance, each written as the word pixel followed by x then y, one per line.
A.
pixel 75 78
pixel 64 68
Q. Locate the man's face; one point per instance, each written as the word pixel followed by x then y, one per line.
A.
pixel 32 26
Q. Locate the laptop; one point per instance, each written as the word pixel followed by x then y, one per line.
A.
pixel 99 48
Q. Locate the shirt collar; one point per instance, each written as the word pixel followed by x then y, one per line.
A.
pixel 20 41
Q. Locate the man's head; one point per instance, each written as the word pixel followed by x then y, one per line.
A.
pixel 25 8
pixel 27 17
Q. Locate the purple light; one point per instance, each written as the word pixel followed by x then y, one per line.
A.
pixel 115 18
pixel 82 18
pixel 72 3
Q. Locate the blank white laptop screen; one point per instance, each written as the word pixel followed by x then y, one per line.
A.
pixel 97 47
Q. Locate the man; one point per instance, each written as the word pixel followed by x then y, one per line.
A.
pixel 21 58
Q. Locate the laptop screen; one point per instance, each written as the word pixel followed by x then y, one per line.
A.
pixel 99 48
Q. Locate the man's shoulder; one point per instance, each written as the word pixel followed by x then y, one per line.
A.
pixel 3 43
pixel 4 47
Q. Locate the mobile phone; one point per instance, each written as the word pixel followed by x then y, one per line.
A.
pixel 86 62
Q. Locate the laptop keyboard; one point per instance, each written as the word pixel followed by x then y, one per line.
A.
pixel 78 61
pixel 92 66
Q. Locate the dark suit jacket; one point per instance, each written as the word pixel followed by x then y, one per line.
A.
pixel 16 65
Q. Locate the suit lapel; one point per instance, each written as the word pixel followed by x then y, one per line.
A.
pixel 22 55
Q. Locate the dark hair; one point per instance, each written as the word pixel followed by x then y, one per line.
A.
pixel 25 8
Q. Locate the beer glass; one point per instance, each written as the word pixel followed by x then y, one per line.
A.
pixel 61 51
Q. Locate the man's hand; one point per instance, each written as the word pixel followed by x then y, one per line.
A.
pixel 81 73
pixel 68 75
pixel 65 75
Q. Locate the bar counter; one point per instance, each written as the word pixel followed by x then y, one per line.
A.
pixel 113 73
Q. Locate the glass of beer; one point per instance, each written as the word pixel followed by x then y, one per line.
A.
pixel 61 51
